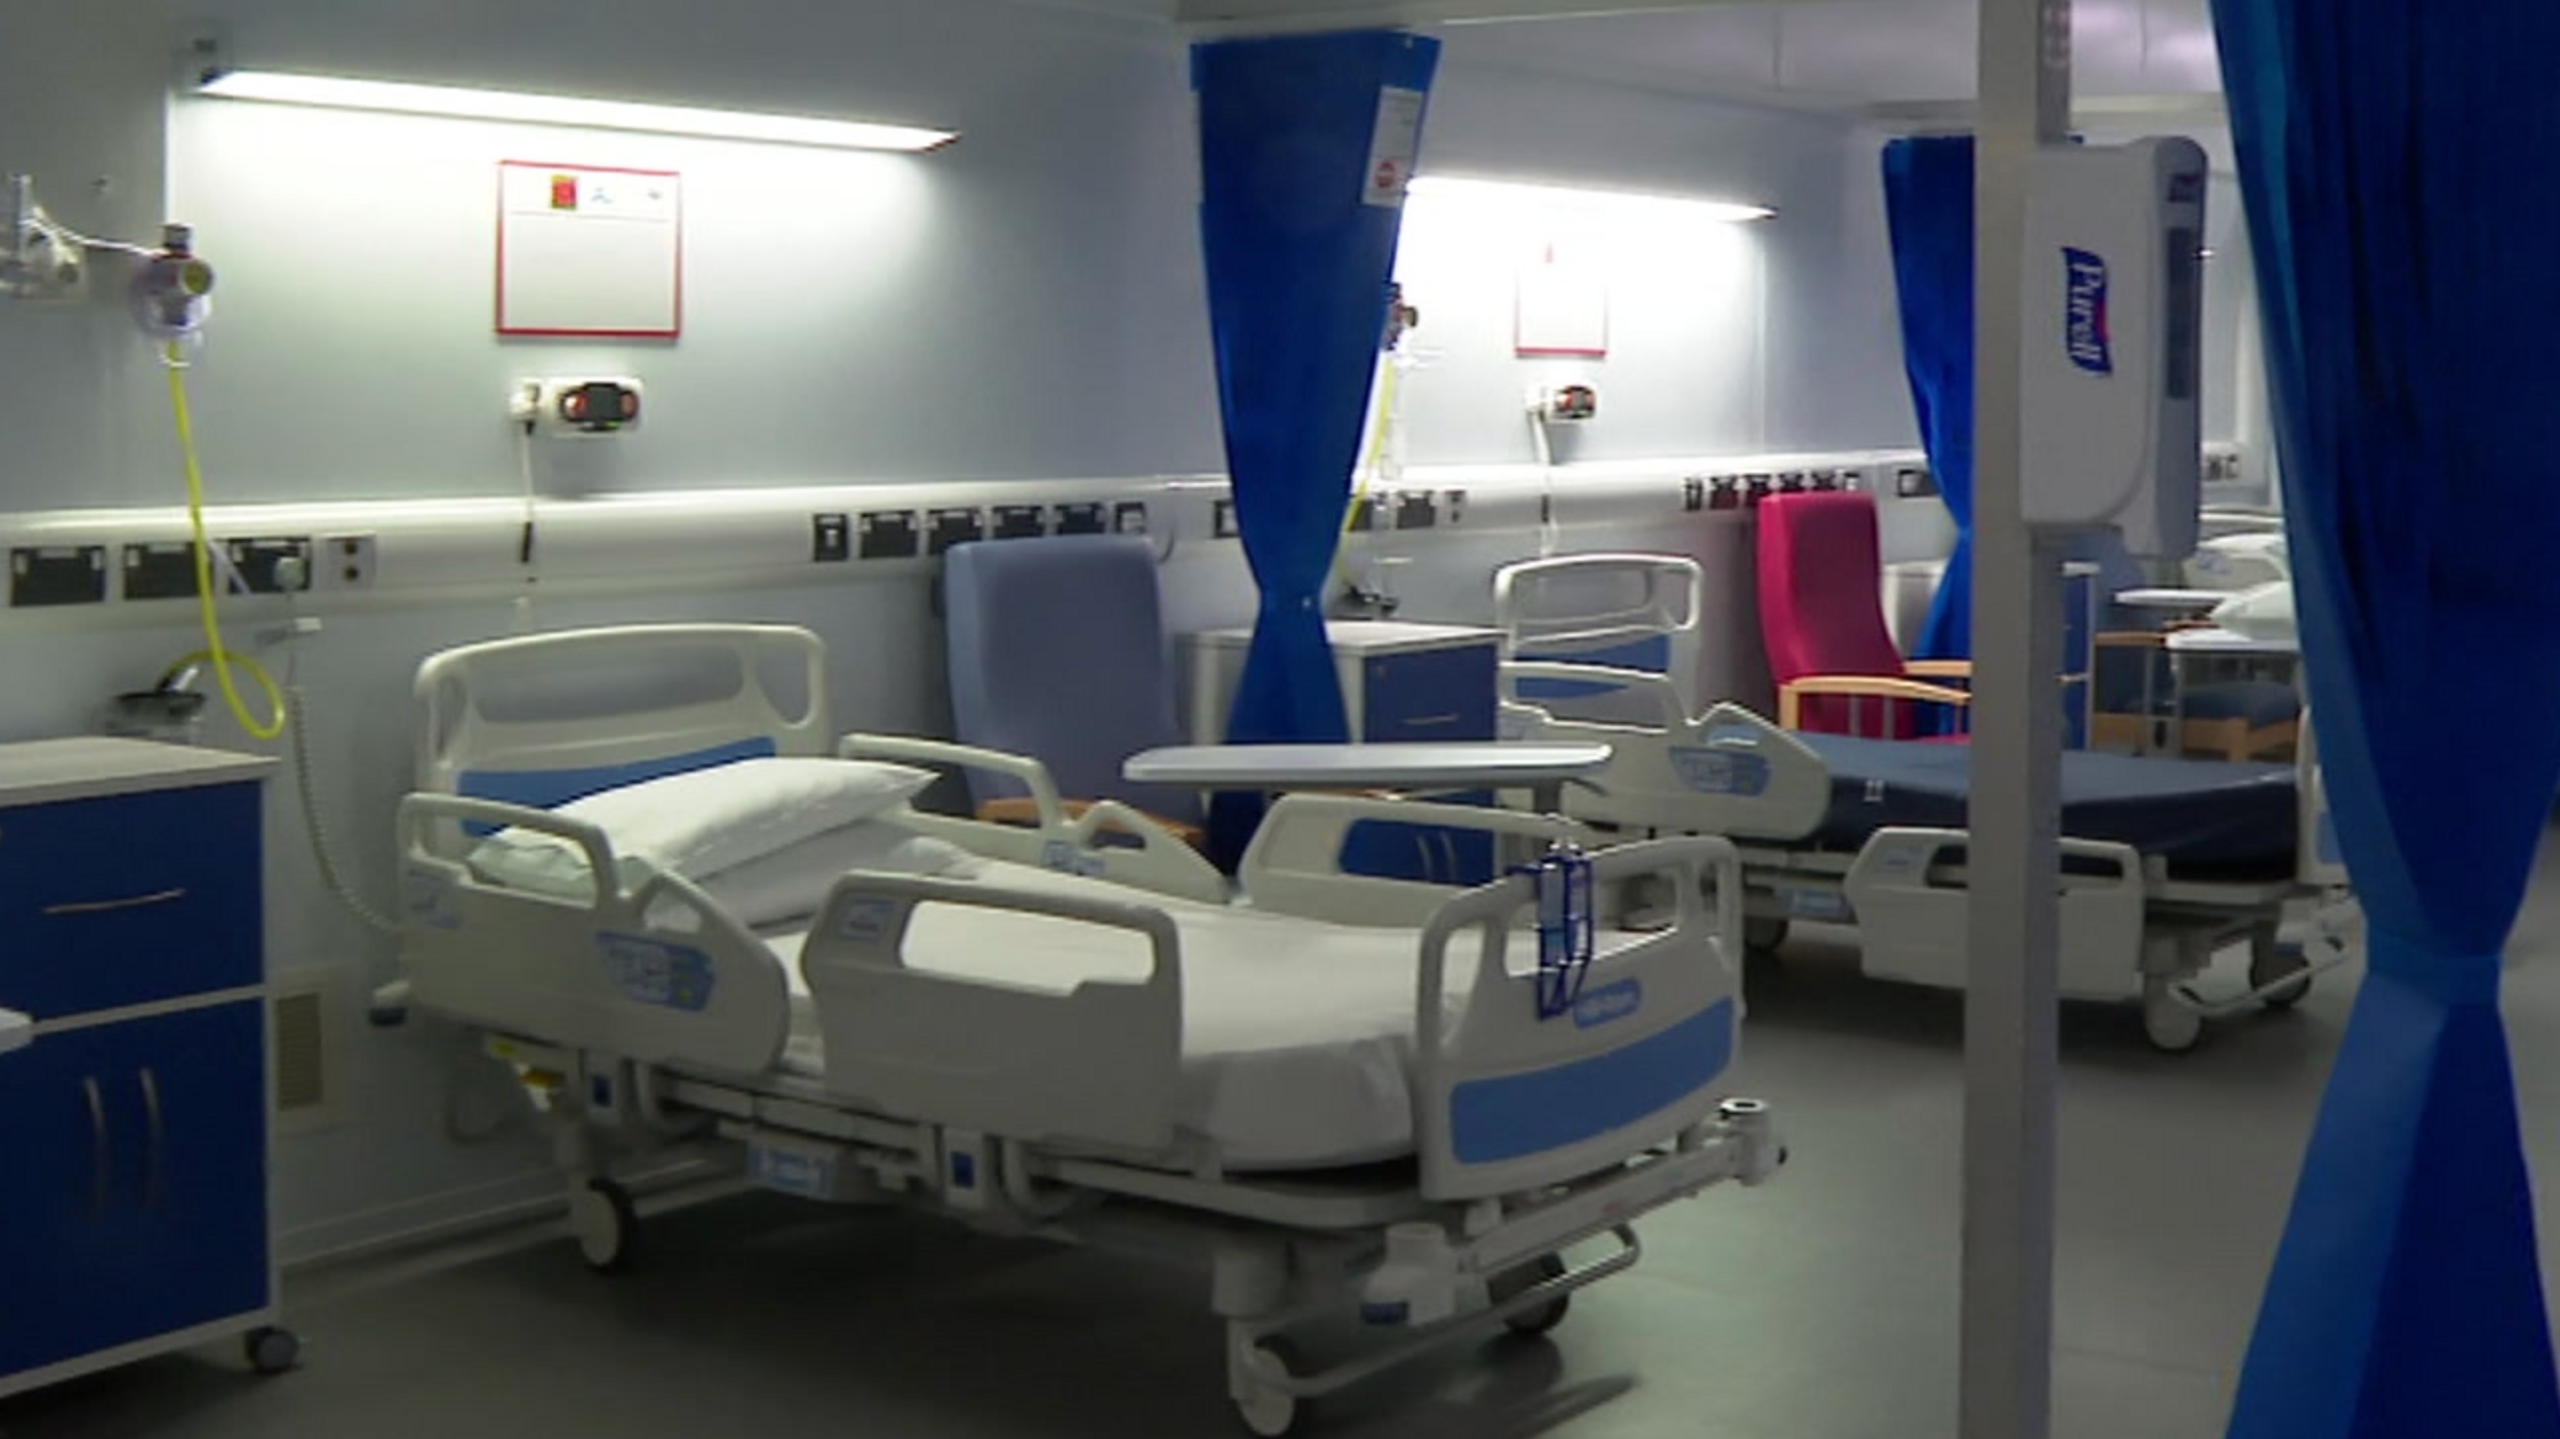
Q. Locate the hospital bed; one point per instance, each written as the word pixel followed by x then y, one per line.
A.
pixel 1350 1096
pixel 2166 862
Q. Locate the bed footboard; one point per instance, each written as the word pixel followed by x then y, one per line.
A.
pixel 1098 1064
pixel 657 974
pixel 1508 1100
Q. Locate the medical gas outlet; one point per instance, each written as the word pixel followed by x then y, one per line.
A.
pixel 583 408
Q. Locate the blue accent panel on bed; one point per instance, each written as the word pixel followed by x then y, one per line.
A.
pixel 552 788
pixel 1494 1120
pixel 1651 654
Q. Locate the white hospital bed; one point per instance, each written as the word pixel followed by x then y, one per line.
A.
pixel 1339 1092
pixel 2166 861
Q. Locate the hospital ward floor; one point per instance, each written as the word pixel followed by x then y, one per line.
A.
pixel 1820 1307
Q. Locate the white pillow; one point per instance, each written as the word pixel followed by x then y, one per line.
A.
pixel 2264 613
pixel 791 884
pixel 704 822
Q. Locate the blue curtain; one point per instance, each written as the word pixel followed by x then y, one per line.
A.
pixel 1928 200
pixel 2396 157
pixel 1298 229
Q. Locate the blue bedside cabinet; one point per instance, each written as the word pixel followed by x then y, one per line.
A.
pixel 134 1187
pixel 1401 683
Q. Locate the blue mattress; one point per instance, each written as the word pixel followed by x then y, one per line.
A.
pixel 2200 815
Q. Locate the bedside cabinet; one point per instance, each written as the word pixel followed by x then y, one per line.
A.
pixel 1401 683
pixel 134 1214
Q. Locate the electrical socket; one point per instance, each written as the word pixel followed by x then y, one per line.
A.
pixel 348 562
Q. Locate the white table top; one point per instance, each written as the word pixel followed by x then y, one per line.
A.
pixel 86 767
pixel 2230 642
pixel 2172 599
pixel 1385 766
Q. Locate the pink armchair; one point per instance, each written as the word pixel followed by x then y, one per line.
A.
pixel 1822 622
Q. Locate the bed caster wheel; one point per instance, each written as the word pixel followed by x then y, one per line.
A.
pixel 2172 1025
pixel 2278 975
pixel 1763 938
pixel 1532 1322
pixel 602 1217
pixel 1267 1412
pixel 271 1351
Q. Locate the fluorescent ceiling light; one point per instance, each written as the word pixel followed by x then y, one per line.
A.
pixel 531 109
pixel 1562 197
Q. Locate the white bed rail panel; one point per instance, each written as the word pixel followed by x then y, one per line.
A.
pixel 2318 861
pixel 1912 908
pixel 618 703
pixel 1509 1101
pixel 1294 865
pixel 1095 1064
pixel 659 974
pixel 1108 841
pixel 1724 772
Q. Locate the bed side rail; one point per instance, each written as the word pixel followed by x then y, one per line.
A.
pixel 1724 772
pixel 1294 865
pixel 654 972
pixel 1109 840
pixel 1909 894
pixel 1507 1100
pixel 1099 1063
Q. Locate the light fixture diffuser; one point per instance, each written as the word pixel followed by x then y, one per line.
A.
pixel 531 109
pixel 1564 197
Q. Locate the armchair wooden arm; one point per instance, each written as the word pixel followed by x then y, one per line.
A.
pixel 1791 695
pixel 1023 811
pixel 1938 669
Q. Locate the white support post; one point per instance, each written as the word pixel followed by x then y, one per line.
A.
pixel 2010 1009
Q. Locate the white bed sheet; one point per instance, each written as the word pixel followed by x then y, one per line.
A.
pixel 1298 1036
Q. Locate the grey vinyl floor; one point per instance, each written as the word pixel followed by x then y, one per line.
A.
pixel 1820 1307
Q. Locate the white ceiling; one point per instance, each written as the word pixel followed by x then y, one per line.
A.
pixel 1847 54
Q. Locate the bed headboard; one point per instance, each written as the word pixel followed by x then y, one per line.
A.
pixel 545 719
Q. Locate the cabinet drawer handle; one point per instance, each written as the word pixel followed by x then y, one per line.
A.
pixel 1430 721
pixel 99 1168
pixel 110 906
pixel 159 1138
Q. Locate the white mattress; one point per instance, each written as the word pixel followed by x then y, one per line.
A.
pixel 1297 1036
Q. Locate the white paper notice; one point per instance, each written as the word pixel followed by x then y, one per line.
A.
pixel 1397 143
pixel 585 251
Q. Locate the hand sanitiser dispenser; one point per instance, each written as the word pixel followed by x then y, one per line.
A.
pixel 2115 317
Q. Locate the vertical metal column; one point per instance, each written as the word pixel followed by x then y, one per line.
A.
pixel 2010 1007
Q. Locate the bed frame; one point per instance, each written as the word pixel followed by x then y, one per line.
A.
pixel 643 1018
pixel 2131 929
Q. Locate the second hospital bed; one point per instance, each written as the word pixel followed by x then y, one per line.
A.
pixel 1351 1095
pixel 2166 862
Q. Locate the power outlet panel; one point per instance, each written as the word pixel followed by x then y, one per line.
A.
pixel 160 572
pixel 1021 522
pixel 43 576
pixel 1085 519
pixel 1223 520
pixel 1417 509
pixel 1129 517
pixel 347 564
pixel 830 539
pixel 257 561
pixel 889 535
pixel 945 528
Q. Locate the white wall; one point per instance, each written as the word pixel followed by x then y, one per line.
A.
pixel 1724 340
pixel 78 110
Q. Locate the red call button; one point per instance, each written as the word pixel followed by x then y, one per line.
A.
pixel 564 192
